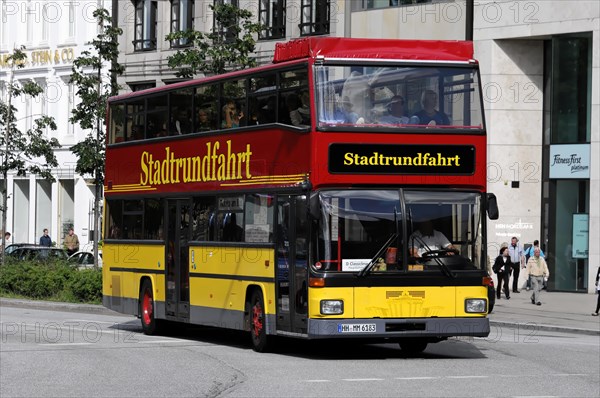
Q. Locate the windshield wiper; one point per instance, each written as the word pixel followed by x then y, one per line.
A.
pixel 365 271
pixel 445 270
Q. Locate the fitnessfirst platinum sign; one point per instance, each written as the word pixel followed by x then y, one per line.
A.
pixel 570 161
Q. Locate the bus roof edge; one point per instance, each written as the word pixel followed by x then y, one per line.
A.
pixel 343 47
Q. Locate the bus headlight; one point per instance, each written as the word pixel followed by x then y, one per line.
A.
pixel 475 305
pixel 332 307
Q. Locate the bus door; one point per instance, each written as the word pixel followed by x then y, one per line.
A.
pixel 176 259
pixel 291 246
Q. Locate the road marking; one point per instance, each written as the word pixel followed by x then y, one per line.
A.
pixel 466 377
pixel 457 377
pixel 161 341
pixel 64 343
pixel 90 321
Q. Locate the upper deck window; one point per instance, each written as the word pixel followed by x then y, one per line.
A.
pixel 385 97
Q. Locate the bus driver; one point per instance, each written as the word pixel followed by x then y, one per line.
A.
pixel 426 239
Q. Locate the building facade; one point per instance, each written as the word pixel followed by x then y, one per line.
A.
pixel 54 34
pixel 145 23
pixel 541 68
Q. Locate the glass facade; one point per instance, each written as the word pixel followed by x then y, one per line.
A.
pixel 567 118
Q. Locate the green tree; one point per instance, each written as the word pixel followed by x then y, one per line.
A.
pixel 23 152
pixel 95 84
pixel 228 47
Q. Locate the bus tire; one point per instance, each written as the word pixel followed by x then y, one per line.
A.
pixel 150 325
pixel 256 318
pixel 413 346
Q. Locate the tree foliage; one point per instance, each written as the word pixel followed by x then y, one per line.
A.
pixel 229 46
pixel 30 151
pixel 95 85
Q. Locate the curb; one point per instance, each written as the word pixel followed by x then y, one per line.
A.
pixel 545 328
pixel 57 306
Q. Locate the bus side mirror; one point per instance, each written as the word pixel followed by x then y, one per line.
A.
pixel 492 207
pixel 315 207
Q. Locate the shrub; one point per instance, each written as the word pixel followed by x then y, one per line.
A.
pixel 54 280
pixel 86 285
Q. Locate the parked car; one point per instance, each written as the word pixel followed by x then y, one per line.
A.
pixel 85 259
pixel 38 253
pixel 14 246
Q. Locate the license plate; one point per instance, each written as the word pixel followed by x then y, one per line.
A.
pixel 357 328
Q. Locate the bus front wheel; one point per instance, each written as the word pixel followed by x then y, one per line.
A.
pixel 256 316
pixel 413 346
pixel 150 325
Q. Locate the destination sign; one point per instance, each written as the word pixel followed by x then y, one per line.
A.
pixel 401 159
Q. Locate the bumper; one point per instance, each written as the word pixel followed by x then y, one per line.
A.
pixel 398 328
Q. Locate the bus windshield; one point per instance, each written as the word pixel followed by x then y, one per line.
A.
pixel 386 97
pixel 431 232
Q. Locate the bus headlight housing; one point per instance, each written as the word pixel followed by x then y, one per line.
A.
pixel 477 306
pixel 332 307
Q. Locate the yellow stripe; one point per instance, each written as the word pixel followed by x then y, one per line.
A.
pixel 260 182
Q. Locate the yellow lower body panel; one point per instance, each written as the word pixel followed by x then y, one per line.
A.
pixel 397 302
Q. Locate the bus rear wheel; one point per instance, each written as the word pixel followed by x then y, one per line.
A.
pixel 150 325
pixel 413 346
pixel 256 316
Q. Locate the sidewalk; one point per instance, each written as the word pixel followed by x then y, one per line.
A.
pixel 566 312
pixel 559 312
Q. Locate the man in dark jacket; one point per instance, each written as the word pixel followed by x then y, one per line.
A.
pixel 45 240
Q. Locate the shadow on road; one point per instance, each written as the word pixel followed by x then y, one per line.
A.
pixel 346 349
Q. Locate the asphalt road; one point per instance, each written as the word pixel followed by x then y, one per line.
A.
pixel 50 353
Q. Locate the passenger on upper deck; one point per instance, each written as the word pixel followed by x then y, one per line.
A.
pixel 204 122
pixel 180 123
pixel 231 116
pixel 429 115
pixel 293 104
pixel 396 112
pixel 304 109
pixel 346 114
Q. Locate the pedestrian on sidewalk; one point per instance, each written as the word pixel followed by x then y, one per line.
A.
pixel 597 293
pixel 538 270
pixel 517 258
pixel 502 267
pixel 529 254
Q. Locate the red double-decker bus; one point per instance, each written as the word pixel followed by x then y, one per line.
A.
pixel 338 192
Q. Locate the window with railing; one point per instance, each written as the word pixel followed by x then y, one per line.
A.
pixel 271 15
pixel 314 17
pixel 182 19
pixel 145 25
